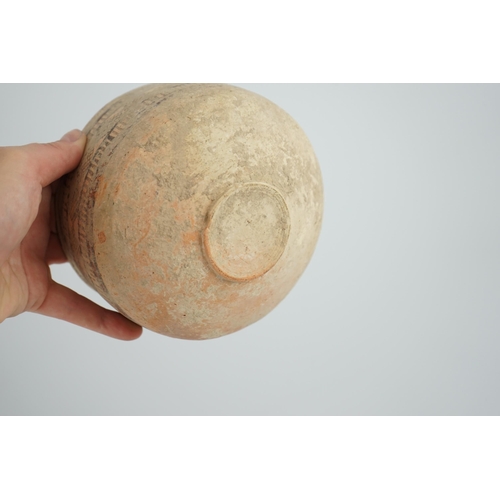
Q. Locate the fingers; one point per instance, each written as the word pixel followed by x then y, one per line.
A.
pixel 65 304
pixel 34 244
pixel 24 171
pixel 50 161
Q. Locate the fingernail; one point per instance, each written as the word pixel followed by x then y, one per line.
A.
pixel 72 136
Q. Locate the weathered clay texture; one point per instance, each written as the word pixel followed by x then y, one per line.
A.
pixel 195 209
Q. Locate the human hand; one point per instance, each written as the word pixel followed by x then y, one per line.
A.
pixel 29 242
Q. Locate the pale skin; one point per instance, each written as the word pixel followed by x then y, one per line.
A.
pixel 29 243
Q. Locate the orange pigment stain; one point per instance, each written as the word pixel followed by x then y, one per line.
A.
pixel 191 237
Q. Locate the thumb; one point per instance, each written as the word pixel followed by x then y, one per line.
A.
pixel 54 159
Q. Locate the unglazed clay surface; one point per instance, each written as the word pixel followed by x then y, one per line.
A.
pixel 195 208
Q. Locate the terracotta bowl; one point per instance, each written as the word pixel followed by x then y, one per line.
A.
pixel 195 208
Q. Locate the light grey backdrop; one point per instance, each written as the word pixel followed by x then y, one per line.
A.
pixel 397 313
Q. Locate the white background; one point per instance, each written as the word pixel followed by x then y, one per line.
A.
pixel 349 458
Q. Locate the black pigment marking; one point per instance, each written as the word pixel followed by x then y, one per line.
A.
pixel 96 165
